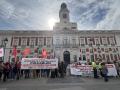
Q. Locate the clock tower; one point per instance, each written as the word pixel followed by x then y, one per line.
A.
pixel 64 13
pixel 64 17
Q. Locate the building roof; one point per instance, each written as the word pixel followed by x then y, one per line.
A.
pixel 32 32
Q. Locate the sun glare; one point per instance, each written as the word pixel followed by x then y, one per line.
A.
pixel 51 22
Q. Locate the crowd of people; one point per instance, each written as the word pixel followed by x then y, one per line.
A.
pixel 9 70
pixel 12 70
pixel 100 68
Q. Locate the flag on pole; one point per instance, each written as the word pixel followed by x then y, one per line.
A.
pixel 44 53
pixel 26 52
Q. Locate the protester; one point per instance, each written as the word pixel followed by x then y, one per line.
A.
pixel 104 71
pixel 52 73
pixel 100 69
pixel 34 71
pixel 9 69
pixel 1 69
pixel 6 71
pixel 18 63
pixel 27 73
pixel 95 69
pixel 48 72
pixel 56 72
pixel 62 69
pixel 38 73
pixel 13 70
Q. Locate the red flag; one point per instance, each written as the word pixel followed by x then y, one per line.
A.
pixel 44 53
pixel 26 52
pixel 14 53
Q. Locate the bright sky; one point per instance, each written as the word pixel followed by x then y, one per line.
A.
pixel 36 14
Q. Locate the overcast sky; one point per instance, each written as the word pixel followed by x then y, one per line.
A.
pixel 35 14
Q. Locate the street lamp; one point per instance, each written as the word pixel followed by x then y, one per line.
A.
pixel 4 42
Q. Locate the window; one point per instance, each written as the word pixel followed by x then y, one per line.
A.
pixel 82 41
pixel 65 41
pixel 112 41
pixel 73 27
pixel 15 41
pixel 40 41
pixel 104 41
pixel 32 41
pixel 91 50
pixel 49 41
pixel 84 58
pixel 74 42
pixel 65 28
pixel 90 41
pixel 97 41
pixel 24 42
pixel 83 50
pixel 57 41
pixel 75 58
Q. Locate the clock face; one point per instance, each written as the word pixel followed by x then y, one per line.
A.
pixel 64 15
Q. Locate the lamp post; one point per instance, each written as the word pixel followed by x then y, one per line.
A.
pixel 4 42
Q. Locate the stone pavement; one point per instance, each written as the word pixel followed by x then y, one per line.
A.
pixel 67 83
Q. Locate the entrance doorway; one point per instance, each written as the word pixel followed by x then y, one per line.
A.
pixel 66 56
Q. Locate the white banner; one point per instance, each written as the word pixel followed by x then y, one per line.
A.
pixel 87 69
pixel 111 70
pixel 39 63
pixel 81 69
pixel 1 52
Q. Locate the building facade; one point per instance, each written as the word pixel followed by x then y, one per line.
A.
pixel 65 42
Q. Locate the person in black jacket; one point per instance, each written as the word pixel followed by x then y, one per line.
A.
pixel 104 72
pixel 62 69
pixel 5 71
